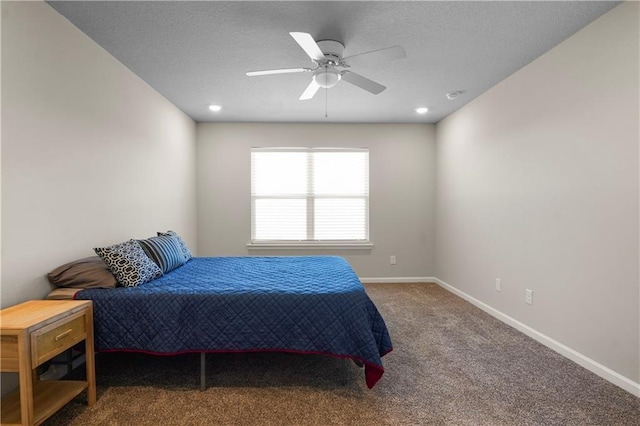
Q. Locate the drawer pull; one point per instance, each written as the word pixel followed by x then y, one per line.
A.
pixel 63 335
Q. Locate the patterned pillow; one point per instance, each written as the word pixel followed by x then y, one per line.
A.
pixel 165 251
pixel 129 263
pixel 185 250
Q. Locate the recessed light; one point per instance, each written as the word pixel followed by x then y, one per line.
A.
pixel 422 110
pixel 215 108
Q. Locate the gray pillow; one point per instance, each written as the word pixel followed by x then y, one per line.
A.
pixel 89 272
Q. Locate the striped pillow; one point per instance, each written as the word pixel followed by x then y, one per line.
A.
pixel 165 251
pixel 185 250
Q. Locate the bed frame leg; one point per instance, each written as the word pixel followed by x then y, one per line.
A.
pixel 203 384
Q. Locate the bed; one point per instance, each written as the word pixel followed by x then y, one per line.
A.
pixel 300 304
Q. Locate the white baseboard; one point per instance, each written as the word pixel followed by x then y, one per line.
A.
pixel 399 280
pixel 580 359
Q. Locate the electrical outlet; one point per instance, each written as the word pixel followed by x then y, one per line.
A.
pixel 528 296
pixel 498 284
pixel 392 260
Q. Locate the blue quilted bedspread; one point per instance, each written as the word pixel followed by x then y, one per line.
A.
pixel 306 304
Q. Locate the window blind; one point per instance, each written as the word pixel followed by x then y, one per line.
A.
pixel 309 195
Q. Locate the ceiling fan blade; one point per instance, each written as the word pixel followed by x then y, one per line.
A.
pixel 281 71
pixel 310 91
pixel 309 45
pixel 376 56
pixel 362 82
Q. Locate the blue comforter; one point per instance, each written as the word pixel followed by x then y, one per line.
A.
pixel 306 304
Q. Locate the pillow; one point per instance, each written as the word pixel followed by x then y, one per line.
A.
pixel 64 293
pixel 129 263
pixel 165 251
pixel 185 250
pixel 89 272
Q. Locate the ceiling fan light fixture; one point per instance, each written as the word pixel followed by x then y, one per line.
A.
pixel 327 78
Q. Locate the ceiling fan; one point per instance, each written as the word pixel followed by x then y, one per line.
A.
pixel 326 56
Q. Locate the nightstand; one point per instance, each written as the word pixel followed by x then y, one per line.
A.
pixel 32 333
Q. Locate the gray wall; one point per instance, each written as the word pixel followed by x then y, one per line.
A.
pixel 402 185
pixel 86 146
pixel 91 155
pixel 538 185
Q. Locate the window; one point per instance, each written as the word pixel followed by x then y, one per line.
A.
pixel 309 195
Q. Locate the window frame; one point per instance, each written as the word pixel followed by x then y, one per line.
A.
pixel 310 198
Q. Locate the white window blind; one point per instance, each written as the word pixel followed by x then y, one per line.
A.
pixel 309 195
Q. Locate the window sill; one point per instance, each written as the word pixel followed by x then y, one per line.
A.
pixel 310 246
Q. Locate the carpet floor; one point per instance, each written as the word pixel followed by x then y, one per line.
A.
pixel 452 364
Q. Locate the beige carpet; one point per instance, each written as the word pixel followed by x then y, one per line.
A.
pixel 452 364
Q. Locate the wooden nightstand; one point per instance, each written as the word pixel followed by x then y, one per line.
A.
pixel 32 333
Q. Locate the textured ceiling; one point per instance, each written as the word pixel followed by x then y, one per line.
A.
pixel 197 53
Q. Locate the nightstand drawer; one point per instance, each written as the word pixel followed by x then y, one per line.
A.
pixel 53 339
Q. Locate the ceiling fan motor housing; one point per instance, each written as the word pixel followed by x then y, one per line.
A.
pixel 332 51
pixel 327 76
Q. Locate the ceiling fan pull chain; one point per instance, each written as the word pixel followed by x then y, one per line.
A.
pixel 326 102
pixel 326 97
